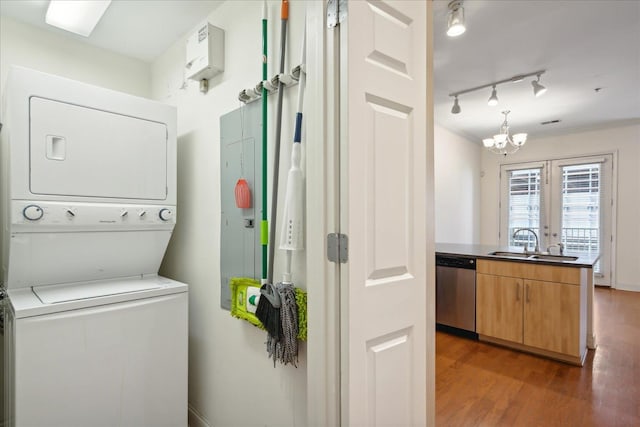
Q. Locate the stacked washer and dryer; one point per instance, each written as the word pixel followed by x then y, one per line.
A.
pixel 92 335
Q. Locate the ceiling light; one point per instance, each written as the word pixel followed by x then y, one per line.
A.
pixel 493 100
pixel 503 143
pixel 76 16
pixel 538 89
pixel 456 107
pixel 455 19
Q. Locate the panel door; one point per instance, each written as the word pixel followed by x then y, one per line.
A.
pixel 499 307
pixel 552 316
pixel 80 151
pixel 384 135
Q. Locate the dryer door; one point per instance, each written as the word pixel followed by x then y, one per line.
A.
pixel 81 151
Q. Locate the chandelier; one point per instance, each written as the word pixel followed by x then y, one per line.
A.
pixel 503 143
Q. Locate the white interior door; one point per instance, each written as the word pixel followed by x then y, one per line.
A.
pixel 383 138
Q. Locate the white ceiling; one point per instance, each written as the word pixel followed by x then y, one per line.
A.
pixel 583 45
pixel 141 29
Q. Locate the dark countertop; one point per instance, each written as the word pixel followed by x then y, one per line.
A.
pixel 483 251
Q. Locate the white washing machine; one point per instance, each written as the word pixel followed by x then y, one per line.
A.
pixel 92 335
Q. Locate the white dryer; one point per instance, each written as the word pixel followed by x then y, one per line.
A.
pixel 92 335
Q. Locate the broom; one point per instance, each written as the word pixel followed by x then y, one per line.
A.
pixel 268 310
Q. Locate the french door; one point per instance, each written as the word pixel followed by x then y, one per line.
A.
pixel 564 201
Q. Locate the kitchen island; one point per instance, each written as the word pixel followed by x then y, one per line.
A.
pixel 533 302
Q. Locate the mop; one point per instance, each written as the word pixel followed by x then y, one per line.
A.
pixel 292 239
pixel 268 310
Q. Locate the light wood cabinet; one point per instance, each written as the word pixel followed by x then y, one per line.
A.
pixel 532 307
pixel 499 307
pixel 552 316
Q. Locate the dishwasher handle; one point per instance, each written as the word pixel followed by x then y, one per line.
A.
pixel 468 263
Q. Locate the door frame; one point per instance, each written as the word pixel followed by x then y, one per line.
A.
pixel 323 310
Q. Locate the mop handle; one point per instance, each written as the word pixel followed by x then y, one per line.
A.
pixel 276 154
pixel 264 224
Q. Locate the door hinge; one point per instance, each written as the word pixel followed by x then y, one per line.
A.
pixel 337 248
pixel 336 12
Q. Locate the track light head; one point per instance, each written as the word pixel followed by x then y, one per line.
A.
pixel 538 89
pixel 456 107
pixel 493 100
pixel 455 19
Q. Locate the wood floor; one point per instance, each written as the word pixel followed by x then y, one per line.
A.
pixel 480 384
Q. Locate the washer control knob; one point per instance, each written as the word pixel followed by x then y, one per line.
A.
pixel 32 212
pixel 165 214
pixel 71 212
pixel 124 213
pixel 142 213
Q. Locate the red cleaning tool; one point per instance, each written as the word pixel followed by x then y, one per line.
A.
pixel 243 194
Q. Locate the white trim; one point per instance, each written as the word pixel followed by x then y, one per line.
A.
pixel 580 160
pixel 507 167
pixel 323 351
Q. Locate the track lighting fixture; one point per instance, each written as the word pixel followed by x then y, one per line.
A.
pixel 503 143
pixel 455 19
pixel 538 89
pixel 493 100
pixel 456 107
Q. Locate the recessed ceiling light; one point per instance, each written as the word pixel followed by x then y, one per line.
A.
pixel 76 16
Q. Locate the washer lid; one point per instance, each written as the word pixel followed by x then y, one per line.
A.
pixel 54 294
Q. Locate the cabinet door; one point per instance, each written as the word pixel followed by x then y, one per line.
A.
pixel 499 307
pixel 552 316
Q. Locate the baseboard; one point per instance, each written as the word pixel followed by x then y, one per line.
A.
pixel 197 420
pixel 627 287
pixel 574 360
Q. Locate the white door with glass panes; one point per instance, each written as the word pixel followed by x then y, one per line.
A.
pixel 567 203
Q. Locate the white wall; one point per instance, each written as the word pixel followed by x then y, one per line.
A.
pixel 33 47
pixel 457 188
pixel 231 380
pixel 624 140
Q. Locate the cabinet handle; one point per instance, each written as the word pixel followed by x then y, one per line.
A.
pixel 527 293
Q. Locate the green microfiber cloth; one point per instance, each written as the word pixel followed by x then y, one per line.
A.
pixel 241 296
pixel 239 291
pixel 301 301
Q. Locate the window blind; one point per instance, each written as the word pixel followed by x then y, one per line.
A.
pixel 525 200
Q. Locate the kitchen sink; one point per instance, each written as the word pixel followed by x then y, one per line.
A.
pixel 541 257
pixel 511 254
pixel 554 257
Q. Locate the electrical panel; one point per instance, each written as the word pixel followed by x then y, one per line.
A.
pixel 240 157
pixel 205 52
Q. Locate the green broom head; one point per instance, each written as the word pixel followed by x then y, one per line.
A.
pixel 245 293
pixel 301 301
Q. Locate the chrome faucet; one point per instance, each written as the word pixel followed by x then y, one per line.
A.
pixel 560 247
pixel 526 246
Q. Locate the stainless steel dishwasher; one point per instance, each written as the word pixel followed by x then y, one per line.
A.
pixel 456 294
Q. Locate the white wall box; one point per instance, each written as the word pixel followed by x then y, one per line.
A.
pixel 205 52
